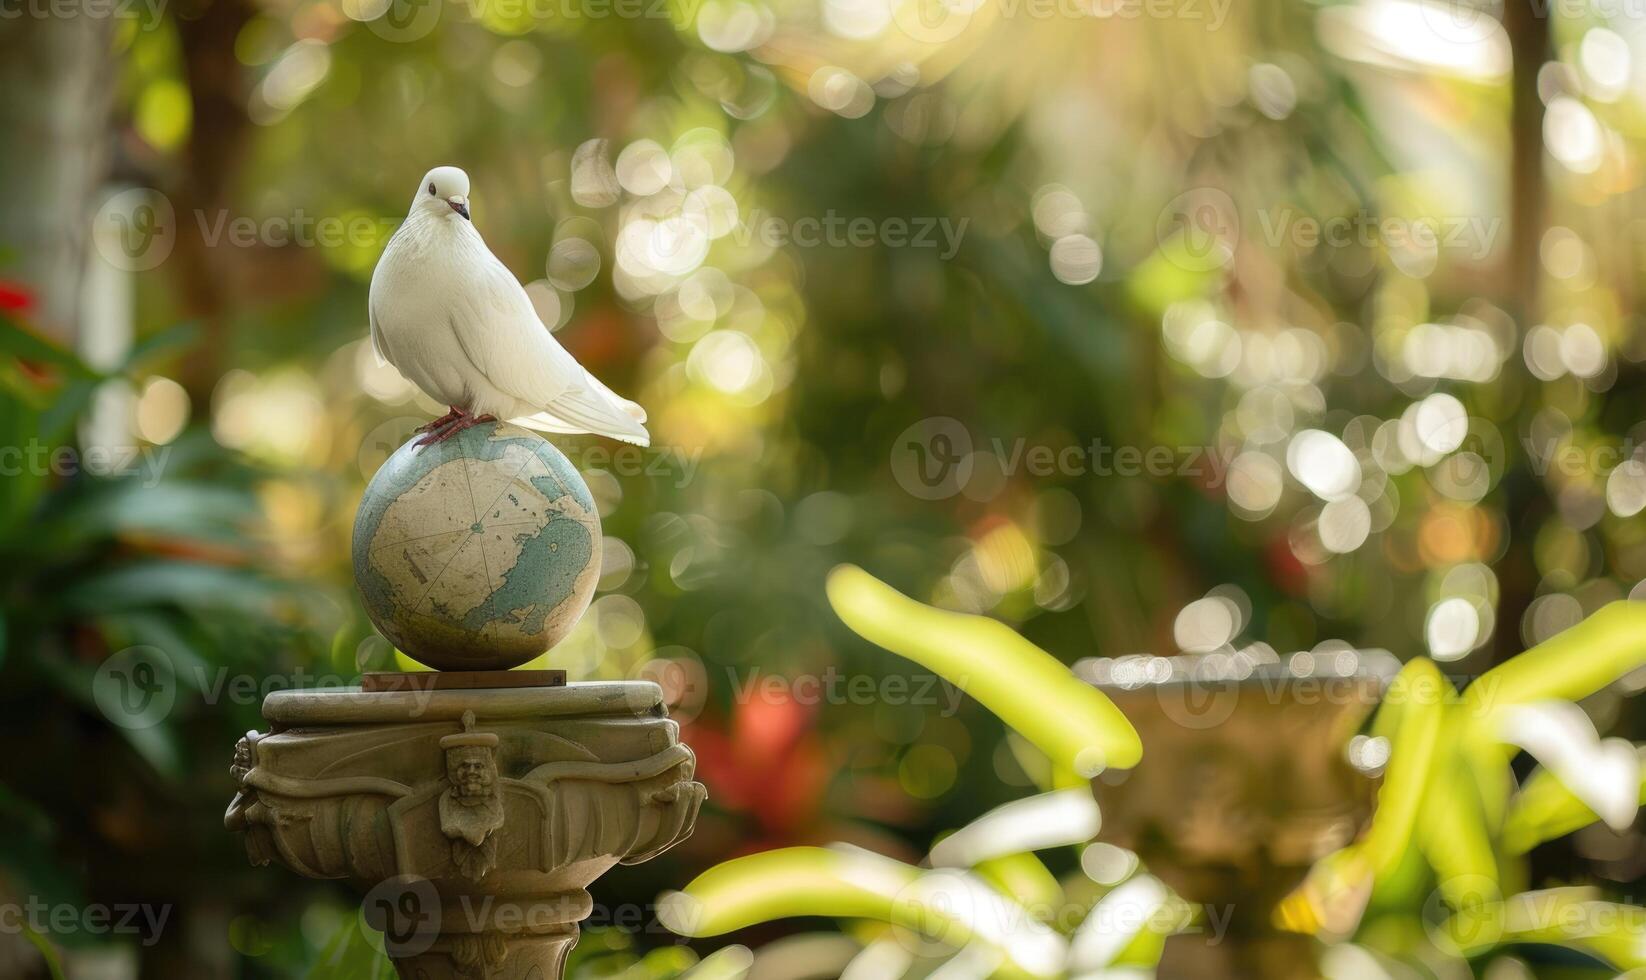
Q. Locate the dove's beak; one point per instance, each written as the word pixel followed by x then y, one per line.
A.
pixel 460 204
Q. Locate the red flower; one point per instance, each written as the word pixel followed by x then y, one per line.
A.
pixel 15 297
pixel 770 764
pixel 1285 570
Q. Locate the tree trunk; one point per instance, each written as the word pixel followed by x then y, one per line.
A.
pixel 58 74
pixel 210 160
pixel 1528 30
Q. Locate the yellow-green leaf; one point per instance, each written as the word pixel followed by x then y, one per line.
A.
pixel 1570 666
pixel 1556 916
pixel 1024 878
pixel 1545 809
pixel 951 907
pixel 1029 689
pixel 1419 692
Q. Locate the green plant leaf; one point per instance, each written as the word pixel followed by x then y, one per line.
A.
pixel 177 510
pixel 192 585
pixel 1569 666
pixel 351 955
pixel 48 952
pixel 21 342
pixel 1023 878
pixel 1452 828
pixel 35 425
pixel 1072 722
pixel 726 963
pixel 1127 925
pixel 158 746
pixel 173 338
pixel 1545 809
pixel 779 884
pixel 947 906
pixel 1061 818
pixel 1419 692
pixel 1569 917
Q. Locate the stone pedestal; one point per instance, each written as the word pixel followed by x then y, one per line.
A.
pixel 471 821
pixel 1244 784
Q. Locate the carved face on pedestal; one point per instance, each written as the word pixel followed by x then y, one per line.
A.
pixel 471 807
pixel 472 772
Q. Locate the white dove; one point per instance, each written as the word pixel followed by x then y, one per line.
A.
pixel 456 322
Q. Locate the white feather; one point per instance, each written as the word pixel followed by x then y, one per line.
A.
pixel 456 322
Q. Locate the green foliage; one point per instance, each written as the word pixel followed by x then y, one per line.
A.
pixel 1432 803
pixel 1570 666
pixel 352 954
pixel 788 882
pixel 91 565
pixel 1545 809
pixel 1078 727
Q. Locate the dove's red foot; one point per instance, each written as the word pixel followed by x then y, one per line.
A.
pixel 463 421
pixel 443 421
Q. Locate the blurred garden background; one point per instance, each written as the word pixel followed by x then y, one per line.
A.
pixel 1140 326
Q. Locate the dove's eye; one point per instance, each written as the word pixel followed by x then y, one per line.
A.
pixel 431 188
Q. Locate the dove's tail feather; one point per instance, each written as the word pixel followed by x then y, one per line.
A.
pixel 544 422
pixel 632 409
pixel 587 410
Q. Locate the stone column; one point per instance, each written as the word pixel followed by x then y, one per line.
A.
pixel 471 821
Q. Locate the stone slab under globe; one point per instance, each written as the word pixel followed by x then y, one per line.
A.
pixel 479 552
pixel 458 680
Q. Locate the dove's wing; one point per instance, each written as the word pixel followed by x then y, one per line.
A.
pixel 388 278
pixel 503 337
pixel 378 347
pixel 376 334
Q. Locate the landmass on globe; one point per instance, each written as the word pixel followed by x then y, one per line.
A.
pixel 479 552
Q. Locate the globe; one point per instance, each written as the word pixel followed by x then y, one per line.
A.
pixel 479 552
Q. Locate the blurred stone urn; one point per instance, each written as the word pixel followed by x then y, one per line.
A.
pixel 470 808
pixel 1246 781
